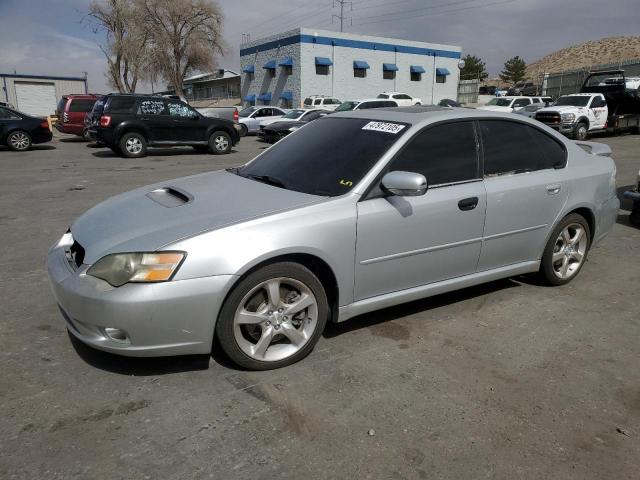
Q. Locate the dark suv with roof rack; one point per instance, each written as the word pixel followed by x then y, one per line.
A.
pixel 129 123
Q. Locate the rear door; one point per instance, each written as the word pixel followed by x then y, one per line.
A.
pixel 524 175
pixel 405 242
pixel 153 113
pixel 7 118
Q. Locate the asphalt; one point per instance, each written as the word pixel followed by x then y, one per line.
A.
pixel 506 380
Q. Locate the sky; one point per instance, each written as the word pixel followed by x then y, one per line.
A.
pixel 53 37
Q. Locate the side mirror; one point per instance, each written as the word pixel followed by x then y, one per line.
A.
pixel 404 184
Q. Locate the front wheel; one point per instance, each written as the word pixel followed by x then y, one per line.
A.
pixel 19 141
pixel 580 131
pixel 566 250
pixel 273 317
pixel 133 145
pixel 220 143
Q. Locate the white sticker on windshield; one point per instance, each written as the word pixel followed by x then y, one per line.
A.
pixel 384 127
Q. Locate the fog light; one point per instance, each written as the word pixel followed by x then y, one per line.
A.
pixel 116 335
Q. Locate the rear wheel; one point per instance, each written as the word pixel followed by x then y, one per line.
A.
pixel 566 250
pixel 19 141
pixel 220 143
pixel 243 130
pixel 580 131
pixel 273 317
pixel 133 145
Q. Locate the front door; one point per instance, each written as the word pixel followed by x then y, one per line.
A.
pixel 186 122
pixel 524 172
pixel 153 114
pixel 405 242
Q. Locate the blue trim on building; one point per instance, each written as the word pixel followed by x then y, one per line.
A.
pixel 390 67
pixel 270 65
pixel 417 69
pixel 360 64
pixel 249 69
pixel 443 72
pixel 250 98
pixel 323 61
pixel 286 62
pixel 265 97
pixel 42 77
pixel 342 42
pixel 287 95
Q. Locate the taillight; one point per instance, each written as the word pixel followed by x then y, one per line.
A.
pixel 65 117
pixel 236 117
pixel 44 124
pixel 105 120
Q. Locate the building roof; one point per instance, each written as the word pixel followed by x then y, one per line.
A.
pixel 208 76
pixel 42 77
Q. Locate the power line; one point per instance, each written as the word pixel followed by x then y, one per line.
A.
pixel 281 17
pixel 341 17
pixel 421 9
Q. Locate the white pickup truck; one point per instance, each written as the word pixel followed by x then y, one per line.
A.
pixel 576 115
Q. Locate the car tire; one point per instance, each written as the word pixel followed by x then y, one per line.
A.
pixel 220 143
pixel 566 251
pixel 86 136
pixel 253 327
pixel 19 141
pixel 244 131
pixel 581 131
pixel 133 145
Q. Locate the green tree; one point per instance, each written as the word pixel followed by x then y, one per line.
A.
pixel 515 69
pixel 474 68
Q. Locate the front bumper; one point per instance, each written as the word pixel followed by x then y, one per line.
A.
pixel 169 318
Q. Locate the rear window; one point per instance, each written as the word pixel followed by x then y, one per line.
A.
pixel 81 105
pixel 61 104
pixel 120 104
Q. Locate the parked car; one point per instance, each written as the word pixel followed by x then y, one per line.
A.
pixel 634 195
pixel 320 101
pixel 19 131
pixel 71 112
pixel 402 99
pixel 448 103
pixel 279 129
pixel 509 104
pixel 365 104
pixel 525 88
pixel 130 123
pixel 251 117
pixel 341 218
pixel 299 114
pixel 227 113
pixel 487 90
pixel 529 110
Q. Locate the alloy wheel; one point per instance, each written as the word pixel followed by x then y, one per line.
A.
pixel 275 319
pixel 19 141
pixel 221 143
pixel 133 145
pixel 569 251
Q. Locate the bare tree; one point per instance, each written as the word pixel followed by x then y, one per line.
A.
pixel 126 45
pixel 184 35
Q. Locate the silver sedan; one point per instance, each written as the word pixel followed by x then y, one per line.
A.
pixel 351 213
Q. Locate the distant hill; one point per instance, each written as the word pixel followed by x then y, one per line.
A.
pixel 605 50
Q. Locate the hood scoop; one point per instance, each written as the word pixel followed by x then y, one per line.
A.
pixel 170 197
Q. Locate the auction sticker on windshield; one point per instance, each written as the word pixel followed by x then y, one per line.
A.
pixel 384 127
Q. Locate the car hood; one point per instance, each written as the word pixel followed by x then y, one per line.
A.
pixel 495 108
pixel 270 120
pixel 564 109
pixel 284 125
pixel 151 217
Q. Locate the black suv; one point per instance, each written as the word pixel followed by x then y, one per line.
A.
pixel 128 123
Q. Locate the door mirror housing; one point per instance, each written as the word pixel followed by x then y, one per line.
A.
pixel 404 184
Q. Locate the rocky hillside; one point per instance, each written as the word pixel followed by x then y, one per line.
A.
pixel 606 50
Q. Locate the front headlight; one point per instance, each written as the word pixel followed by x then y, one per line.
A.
pixel 293 129
pixel 121 268
pixel 568 117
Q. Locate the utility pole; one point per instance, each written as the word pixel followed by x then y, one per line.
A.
pixel 341 17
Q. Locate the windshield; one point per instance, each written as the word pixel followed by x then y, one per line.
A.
pixel 294 114
pixel 604 79
pixel 345 106
pixel 578 101
pixel 326 159
pixel 500 102
pixel 245 112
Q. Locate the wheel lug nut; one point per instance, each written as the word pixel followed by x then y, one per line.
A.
pixel 268 322
pixel 286 318
pixel 281 310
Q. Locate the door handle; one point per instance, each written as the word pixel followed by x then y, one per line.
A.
pixel 554 189
pixel 468 203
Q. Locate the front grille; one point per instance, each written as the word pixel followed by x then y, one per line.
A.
pixel 550 118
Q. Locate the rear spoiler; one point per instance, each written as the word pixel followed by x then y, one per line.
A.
pixel 594 148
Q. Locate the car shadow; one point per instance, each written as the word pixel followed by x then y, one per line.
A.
pixel 155 152
pixel 33 147
pixel 418 306
pixel 138 366
pixel 72 140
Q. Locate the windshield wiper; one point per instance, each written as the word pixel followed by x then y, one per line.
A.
pixel 268 179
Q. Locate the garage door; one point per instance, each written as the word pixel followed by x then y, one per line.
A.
pixel 36 98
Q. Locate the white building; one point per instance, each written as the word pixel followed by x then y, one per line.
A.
pixel 38 94
pixel 285 68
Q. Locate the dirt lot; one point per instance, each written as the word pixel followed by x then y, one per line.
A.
pixel 508 380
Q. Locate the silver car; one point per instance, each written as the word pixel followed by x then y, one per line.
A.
pixel 351 213
pixel 249 118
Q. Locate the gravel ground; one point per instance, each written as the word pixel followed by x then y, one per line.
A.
pixel 505 380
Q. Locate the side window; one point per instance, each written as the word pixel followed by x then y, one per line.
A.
pixel 310 116
pixel 443 154
pixel 151 107
pixel 179 109
pixel 512 147
pixel 261 113
pixel 122 104
pixel 307 101
pixel 521 102
pixel 317 101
